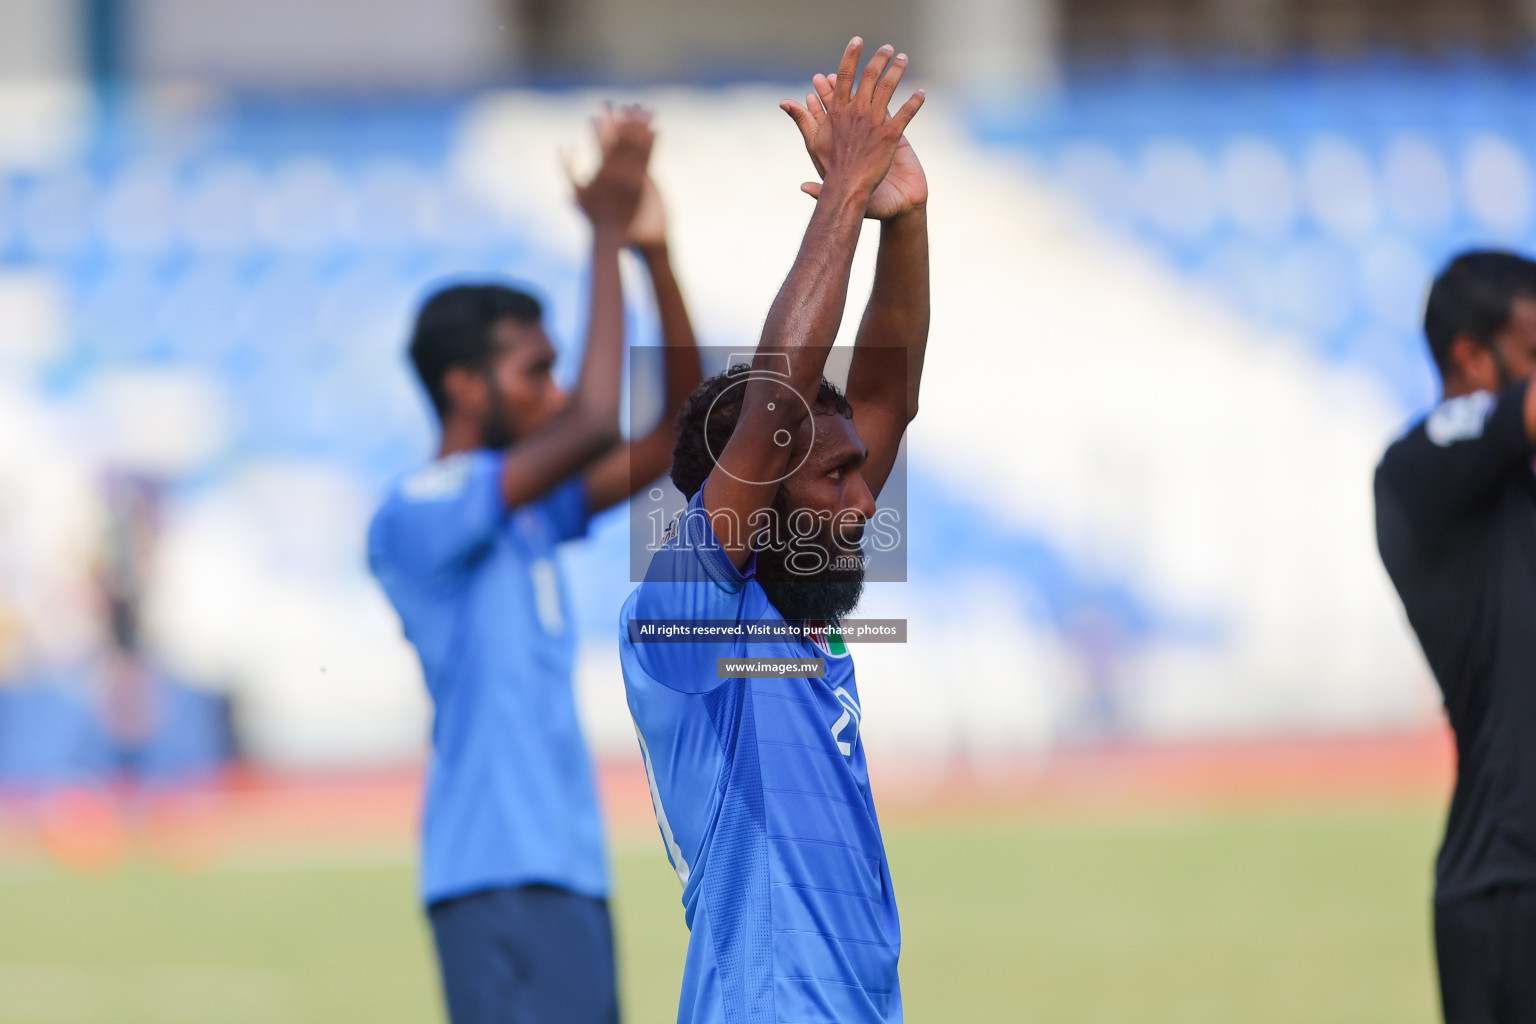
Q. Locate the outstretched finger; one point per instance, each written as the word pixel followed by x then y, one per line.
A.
pixel 887 87
pixel 873 70
pixel 824 86
pixel 802 118
pixel 827 88
pixel 847 69
pixel 909 109
pixel 606 125
pixel 811 188
pixel 813 104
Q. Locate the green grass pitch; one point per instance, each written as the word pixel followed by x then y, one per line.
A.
pixel 1300 917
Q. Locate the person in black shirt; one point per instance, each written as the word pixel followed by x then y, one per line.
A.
pixel 1456 527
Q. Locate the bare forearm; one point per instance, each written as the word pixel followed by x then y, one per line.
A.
pixel 805 316
pixel 629 467
pixel 802 324
pixel 596 395
pixel 897 316
pixel 681 356
pixel 589 424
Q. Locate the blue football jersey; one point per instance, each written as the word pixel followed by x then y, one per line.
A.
pixel 510 798
pixel 762 798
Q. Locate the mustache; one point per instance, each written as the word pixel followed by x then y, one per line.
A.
pixel 820 556
pixel 819 579
pixel 817 576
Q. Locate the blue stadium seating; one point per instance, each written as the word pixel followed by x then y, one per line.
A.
pixel 1316 200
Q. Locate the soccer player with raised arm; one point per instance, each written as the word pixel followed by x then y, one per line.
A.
pixel 759 782
pixel 513 870
pixel 1456 525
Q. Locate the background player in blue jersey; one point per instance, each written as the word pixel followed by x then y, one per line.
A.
pixel 513 869
pixel 759 781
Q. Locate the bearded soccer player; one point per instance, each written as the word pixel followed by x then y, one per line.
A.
pixel 759 781
pixel 513 870
pixel 1456 525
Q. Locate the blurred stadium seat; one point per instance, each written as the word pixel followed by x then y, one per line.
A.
pixel 1317 201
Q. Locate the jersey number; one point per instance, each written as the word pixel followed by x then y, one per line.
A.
pixel 546 596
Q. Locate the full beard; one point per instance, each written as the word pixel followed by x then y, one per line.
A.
pixel 829 593
pixel 809 598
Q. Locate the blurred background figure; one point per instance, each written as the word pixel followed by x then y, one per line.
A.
pixel 127 699
pixel 156 728
pixel 93 730
pixel 1178 277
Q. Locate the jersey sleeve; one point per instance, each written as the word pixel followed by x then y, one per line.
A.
pixel 1450 466
pixel 567 509
pixel 689 579
pixel 440 519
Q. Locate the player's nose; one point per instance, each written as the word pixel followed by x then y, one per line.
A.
pixel 862 500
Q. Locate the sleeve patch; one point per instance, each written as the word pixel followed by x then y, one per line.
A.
pixel 1460 419
pixel 445 478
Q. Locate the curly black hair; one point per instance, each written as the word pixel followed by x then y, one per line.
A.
pixel 696 437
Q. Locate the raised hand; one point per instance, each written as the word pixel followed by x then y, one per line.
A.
pixel 612 197
pixel 854 136
pixel 904 186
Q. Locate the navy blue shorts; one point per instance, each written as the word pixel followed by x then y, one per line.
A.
pixel 535 954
